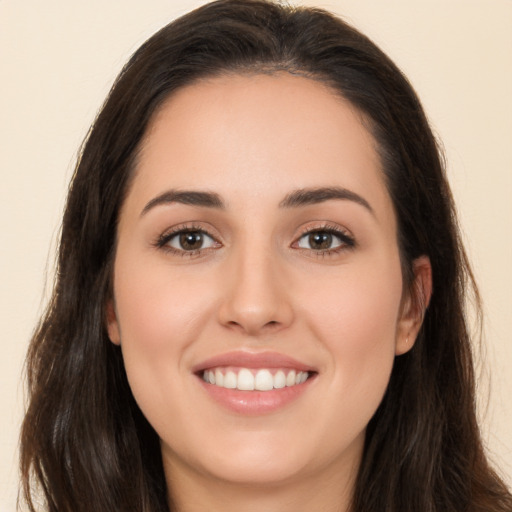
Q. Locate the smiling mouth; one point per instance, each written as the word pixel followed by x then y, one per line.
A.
pixel 250 379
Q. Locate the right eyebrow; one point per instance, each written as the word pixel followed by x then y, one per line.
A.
pixel 192 197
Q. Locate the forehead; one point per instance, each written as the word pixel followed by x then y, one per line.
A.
pixel 258 134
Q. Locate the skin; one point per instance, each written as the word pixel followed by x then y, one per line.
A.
pixel 258 286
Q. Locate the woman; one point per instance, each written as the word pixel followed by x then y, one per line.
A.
pixel 260 291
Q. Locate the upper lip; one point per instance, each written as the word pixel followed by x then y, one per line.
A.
pixel 253 360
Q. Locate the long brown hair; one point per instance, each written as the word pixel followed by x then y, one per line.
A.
pixel 85 445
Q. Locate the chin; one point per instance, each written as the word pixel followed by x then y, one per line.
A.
pixel 244 459
pixel 269 459
pixel 258 471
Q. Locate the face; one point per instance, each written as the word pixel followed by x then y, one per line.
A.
pixel 257 248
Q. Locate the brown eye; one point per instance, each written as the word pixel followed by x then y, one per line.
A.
pixel 321 241
pixel 191 241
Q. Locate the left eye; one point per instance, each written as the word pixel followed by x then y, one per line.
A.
pixel 191 241
pixel 320 241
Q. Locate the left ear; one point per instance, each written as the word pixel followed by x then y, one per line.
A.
pixel 414 305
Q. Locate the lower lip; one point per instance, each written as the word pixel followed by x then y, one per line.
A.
pixel 255 403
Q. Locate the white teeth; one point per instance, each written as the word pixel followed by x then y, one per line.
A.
pixel 245 380
pixel 219 378
pixel 280 380
pixel 263 381
pixel 229 380
pixel 260 380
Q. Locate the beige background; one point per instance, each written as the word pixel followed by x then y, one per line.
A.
pixel 59 58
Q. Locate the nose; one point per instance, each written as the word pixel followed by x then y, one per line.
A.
pixel 256 298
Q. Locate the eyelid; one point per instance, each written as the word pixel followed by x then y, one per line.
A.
pixel 342 233
pixel 176 237
pixel 162 240
pixel 346 238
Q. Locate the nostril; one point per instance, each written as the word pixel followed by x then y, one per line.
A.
pixel 255 314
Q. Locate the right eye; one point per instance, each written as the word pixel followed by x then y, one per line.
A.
pixel 186 241
pixel 190 241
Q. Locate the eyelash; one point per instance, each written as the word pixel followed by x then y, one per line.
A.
pixel 347 241
pixel 162 242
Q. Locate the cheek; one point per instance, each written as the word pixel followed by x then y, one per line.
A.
pixel 357 309
pixel 158 308
pixel 356 317
pixel 160 314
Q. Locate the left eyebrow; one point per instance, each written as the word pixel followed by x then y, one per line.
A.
pixel 308 196
pixel 192 197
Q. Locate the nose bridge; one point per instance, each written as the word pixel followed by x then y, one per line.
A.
pixel 256 298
